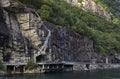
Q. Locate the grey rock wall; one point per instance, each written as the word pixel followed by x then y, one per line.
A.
pixel 23 32
pixel 95 7
pixel 68 46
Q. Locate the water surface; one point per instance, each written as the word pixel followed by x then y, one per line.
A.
pixel 99 74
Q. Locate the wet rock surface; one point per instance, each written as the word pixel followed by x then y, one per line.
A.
pixel 67 46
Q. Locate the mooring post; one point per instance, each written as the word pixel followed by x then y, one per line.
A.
pixel 106 60
pixel 23 69
pixel 14 69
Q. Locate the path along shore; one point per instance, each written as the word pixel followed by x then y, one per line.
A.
pixel 66 67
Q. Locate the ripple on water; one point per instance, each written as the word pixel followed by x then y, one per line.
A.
pixel 101 74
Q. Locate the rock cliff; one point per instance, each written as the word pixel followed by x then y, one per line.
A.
pixel 91 5
pixel 68 46
pixel 95 7
pixel 23 35
pixel 24 27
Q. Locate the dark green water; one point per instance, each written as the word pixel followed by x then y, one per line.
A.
pixel 100 74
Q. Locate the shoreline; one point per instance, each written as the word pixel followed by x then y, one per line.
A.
pixel 75 67
pixel 100 66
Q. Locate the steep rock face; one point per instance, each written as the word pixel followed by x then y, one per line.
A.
pixel 23 34
pixel 68 46
pixel 5 3
pixel 91 5
pixel 4 33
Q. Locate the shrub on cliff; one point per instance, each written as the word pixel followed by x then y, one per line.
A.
pixel 31 65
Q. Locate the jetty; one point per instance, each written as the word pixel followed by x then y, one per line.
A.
pixel 42 67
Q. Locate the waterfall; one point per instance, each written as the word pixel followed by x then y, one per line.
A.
pixel 45 44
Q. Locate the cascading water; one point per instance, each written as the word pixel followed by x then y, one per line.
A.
pixel 42 50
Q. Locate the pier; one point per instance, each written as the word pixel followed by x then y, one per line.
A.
pixel 42 67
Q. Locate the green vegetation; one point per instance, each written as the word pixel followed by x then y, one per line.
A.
pixel 111 5
pixel 101 65
pixel 1 66
pixel 31 65
pixel 105 34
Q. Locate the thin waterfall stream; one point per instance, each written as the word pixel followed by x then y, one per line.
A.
pixel 45 44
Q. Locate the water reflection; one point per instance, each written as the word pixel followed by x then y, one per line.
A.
pixel 100 74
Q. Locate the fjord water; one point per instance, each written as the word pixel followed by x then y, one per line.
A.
pixel 99 74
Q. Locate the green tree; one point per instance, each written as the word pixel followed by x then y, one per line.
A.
pixel 44 11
